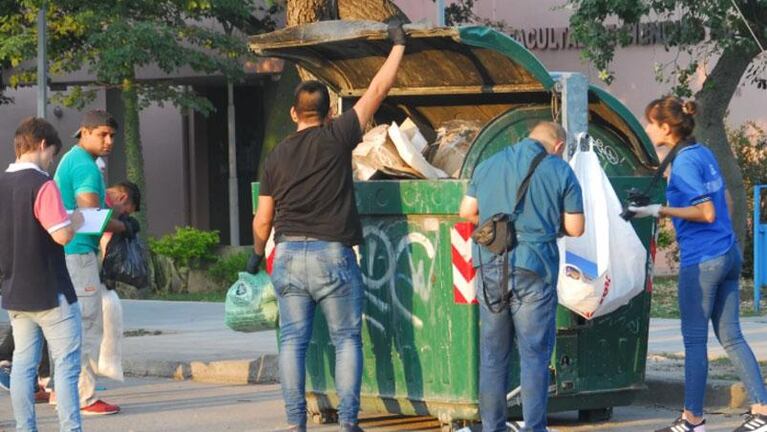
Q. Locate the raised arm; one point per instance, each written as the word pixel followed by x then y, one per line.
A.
pixel 383 80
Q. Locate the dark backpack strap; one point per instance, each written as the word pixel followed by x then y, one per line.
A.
pixel 666 162
pixel 522 190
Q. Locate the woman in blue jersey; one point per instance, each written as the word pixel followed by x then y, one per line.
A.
pixel 711 261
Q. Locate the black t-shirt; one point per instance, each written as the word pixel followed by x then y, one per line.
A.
pixel 309 176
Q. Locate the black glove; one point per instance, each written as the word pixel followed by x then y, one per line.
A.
pixel 132 227
pixel 254 263
pixel 396 33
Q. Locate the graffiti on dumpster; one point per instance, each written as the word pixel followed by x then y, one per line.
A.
pixel 382 253
pixel 608 153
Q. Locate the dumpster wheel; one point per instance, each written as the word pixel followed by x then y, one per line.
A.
pixel 595 415
pixel 324 416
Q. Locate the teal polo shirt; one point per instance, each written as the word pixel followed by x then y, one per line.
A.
pixel 77 174
pixel 553 190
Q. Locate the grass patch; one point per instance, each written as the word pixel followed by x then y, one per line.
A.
pixel 215 296
pixel 665 299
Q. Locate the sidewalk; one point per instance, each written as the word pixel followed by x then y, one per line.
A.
pixel 193 342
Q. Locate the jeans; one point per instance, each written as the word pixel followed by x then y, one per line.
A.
pixel 710 291
pixel 308 274
pixel 84 272
pixel 61 327
pixel 531 318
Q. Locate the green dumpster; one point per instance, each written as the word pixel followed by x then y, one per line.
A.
pixel 420 330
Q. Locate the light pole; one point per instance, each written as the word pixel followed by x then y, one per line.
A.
pixel 441 13
pixel 42 65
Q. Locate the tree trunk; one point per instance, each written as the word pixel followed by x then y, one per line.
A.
pixel 713 101
pixel 306 11
pixel 134 159
pixel 372 10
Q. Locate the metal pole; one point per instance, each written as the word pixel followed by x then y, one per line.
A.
pixel 234 204
pixel 42 65
pixel 758 247
pixel 440 13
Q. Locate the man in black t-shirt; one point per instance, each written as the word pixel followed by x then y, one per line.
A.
pixel 307 194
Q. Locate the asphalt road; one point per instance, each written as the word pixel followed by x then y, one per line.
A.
pixel 160 405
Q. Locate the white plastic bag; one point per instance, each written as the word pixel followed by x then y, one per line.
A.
pixel 605 268
pixel 111 352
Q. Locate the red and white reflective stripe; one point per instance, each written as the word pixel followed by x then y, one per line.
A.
pixel 464 288
pixel 269 253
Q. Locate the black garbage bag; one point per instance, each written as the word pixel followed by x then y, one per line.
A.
pixel 126 261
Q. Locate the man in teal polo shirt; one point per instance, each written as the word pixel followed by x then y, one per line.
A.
pixel 82 186
pixel 553 206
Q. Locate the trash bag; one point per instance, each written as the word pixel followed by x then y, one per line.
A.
pixel 251 304
pixel 125 261
pixel 454 138
pixel 606 267
pixel 111 351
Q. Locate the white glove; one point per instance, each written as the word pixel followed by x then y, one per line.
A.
pixel 646 211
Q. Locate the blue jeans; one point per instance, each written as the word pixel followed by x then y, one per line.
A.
pixel 308 274
pixel 709 291
pixel 531 318
pixel 61 327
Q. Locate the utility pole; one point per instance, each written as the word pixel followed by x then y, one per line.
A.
pixel 234 202
pixel 42 65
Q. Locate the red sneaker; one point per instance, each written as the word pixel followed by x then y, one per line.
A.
pixel 42 396
pixel 99 408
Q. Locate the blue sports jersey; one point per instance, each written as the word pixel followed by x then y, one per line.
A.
pixel 695 178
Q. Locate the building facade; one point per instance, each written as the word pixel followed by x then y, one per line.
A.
pixel 186 153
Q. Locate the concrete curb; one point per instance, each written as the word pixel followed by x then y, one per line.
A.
pixel 668 390
pixel 663 389
pixel 262 370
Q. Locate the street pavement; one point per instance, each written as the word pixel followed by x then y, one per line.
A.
pixel 192 332
pixel 163 405
pixel 195 331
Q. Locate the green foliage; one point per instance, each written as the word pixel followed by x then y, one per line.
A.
pixel 705 29
pixel 749 144
pixel 187 247
pixel 226 269
pixel 462 12
pixel 114 39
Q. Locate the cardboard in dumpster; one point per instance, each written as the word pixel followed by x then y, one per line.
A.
pixel 378 154
pixel 411 155
pixel 387 152
pixel 411 131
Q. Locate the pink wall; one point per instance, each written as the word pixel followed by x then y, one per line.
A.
pixel 635 83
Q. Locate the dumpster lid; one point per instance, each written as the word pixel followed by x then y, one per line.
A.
pixel 438 60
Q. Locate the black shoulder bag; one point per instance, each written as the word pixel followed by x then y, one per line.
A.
pixel 499 236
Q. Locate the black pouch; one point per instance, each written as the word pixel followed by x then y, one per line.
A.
pixel 497 234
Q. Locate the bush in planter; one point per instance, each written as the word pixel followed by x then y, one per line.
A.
pixel 226 270
pixel 173 255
